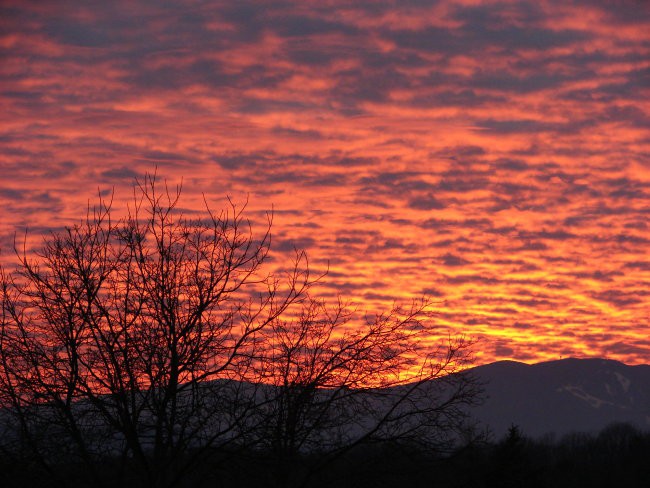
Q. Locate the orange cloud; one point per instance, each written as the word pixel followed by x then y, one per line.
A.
pixel 492 156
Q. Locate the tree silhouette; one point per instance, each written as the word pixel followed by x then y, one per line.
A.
pixel 340 384
pixel 132 337
pixel 140 346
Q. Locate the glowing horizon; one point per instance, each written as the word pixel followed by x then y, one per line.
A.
pixel 494 156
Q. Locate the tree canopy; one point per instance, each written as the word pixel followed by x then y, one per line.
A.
pixel 154 342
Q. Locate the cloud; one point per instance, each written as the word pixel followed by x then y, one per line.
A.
pixel 453 260
pixel 120 173
pixel 494 154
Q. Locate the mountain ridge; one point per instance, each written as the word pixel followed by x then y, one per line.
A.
pixel 562 396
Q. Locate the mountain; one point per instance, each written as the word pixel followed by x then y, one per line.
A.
pixel 569 395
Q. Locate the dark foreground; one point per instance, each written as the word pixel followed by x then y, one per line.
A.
pixel 617 456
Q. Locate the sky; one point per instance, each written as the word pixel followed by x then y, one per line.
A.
pixel 491 155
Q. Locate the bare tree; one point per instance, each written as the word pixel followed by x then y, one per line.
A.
pixel 340 384
pixel 130 339
pixel 142 345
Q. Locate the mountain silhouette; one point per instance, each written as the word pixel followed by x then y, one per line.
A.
pixel 559 397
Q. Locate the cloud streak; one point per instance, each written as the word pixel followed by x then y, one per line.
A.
pixel 493 156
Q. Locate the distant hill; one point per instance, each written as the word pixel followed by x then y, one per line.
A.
pixel 563 396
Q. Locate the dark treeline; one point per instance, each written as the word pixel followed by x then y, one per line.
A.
pixel 617 456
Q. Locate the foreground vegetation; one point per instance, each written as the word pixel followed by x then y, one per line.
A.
pixel 146 347
pixel 617 456
pixel 154 350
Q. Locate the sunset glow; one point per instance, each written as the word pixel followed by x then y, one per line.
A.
pixel 493 156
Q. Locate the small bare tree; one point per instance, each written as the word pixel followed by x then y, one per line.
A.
pixel 131 339
pixel 340 384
